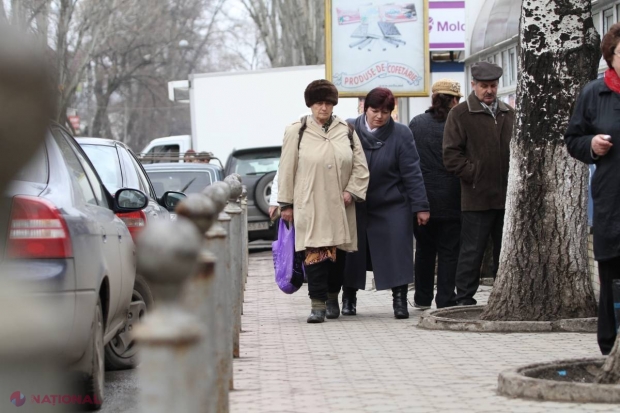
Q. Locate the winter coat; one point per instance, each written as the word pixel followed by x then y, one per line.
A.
pixel 313 178
pixel 385 220
pixel 443 189
pixel 476 148
pixel 598 112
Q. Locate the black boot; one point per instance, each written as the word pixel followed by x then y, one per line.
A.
pixel 317 312
pixel 349 302
pixel 399 295
pixel 332 306
pixel 317 290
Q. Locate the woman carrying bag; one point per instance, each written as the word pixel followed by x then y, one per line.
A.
pixel 322 173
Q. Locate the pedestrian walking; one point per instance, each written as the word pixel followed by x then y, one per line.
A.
pixel 322 173
pixel 274 207
pixel 592 133
pixel 395 197
pixel 476 148
pixel 438 240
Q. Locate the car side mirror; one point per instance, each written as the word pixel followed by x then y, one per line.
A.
pixel 130 200
pixel 170 199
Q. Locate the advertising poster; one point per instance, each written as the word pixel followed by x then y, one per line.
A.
pixel 378 43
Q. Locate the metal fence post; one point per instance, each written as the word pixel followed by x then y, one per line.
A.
pixel 217 242
pixel 244 233
pixel 235 244
pixel 169 337
pixel 199 297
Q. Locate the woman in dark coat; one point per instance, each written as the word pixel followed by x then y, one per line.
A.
pixel 592 134
pixel 395 197
pixel 439 239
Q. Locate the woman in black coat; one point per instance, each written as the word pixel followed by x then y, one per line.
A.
pixel 438 241
pixel 592 134
pixel 395 196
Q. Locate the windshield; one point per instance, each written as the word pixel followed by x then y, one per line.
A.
pixel 189 182
pixel 106 162
pixel 257 165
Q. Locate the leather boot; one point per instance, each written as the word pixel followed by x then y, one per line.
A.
pixel 332 306
pixel 399 295
pixel 349 302
pixel 317 312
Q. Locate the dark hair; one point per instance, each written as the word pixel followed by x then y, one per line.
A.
pixel 380 98
pixel 609 43
pixel 440 106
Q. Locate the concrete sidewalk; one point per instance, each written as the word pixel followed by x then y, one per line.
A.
pixel 374 363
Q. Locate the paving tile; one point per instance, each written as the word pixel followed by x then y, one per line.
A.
pixel 374 363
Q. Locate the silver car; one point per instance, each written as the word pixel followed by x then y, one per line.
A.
pixel 65 241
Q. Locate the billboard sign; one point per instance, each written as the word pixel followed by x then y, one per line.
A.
pixel 377 43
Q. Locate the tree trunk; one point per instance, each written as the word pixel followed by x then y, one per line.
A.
pixel 543 273
pixel 100 126
pixel 610 373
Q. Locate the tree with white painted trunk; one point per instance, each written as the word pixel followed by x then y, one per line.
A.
pixel 543 271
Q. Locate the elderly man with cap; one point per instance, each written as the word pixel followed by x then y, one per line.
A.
pixel 438 240
pixel 322 172
pixel 476 146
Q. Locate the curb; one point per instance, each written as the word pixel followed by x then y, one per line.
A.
pixel 514 383
pixel 440 320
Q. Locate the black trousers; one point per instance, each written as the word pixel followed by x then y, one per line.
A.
pixel 437 241
pixel 476 227
pixel 325 276
pixel 608 271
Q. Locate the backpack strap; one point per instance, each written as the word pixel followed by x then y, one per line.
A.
pixel 350 134
pixel 302 129
pixel 304 125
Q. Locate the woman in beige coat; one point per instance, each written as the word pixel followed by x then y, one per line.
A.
pixel 322 172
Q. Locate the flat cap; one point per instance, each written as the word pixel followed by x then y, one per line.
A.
pixel 486 71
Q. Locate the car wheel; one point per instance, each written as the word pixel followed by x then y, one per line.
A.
pixel 121 353
pixel 95 381
pixel 262 192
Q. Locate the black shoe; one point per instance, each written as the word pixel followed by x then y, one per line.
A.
pixel 333 309
pixel 316 316
pixel 466 301
pixel 349 306
pixel 399 295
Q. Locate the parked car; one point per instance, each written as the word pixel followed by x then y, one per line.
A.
pixel 65 240
pixel 183 177
pixel 119 168
pixel 257 167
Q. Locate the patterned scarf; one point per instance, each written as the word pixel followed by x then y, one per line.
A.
pixel 327 124
pixel 612 80
pixel 492 108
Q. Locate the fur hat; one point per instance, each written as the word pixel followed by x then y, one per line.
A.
pixel 447 87
pixel 321 91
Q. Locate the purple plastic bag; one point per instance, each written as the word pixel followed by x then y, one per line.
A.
pixel 288 264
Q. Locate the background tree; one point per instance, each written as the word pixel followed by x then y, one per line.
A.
pixel 543 272
pixel 292 31
pixel 113 59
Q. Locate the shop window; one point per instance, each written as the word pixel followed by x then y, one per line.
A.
pixel 608 20
pixel 506 67
pixel 513 65
pixel 596 18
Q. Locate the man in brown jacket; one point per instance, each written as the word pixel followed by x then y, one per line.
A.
pixel 476 149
